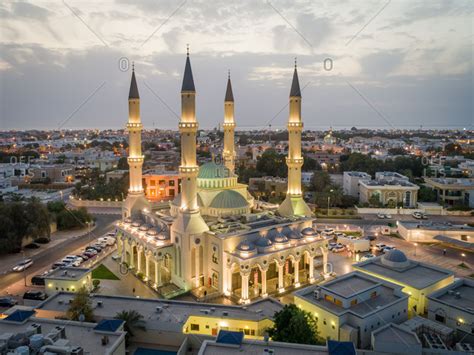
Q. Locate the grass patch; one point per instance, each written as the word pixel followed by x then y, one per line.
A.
pixel 101 272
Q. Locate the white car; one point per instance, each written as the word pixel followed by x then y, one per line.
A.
pixel 338 248
pixel 332 245
pixel 367 257
pixel 25 264
pixel 419 215
pixel 380 246
pixel 327 231
pixel 106 241
pixel 381 216
pixel 388 216
pixel 388 248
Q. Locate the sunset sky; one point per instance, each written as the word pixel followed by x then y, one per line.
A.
pixel 394 63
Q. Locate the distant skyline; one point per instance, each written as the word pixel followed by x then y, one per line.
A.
pixel 371 64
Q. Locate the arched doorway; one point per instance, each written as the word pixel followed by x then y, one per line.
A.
pixel 255 282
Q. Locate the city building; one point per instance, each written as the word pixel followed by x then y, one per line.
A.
pixel 351 306
pixel 23 332
pixel 453 306
pixel 389 189
pixel 69 279
pixel 161 185
pixel 268 186
pixel 452 191
pixel 417 279
pixel 169 322
pixel 461 235
pixel 214 238
pixel 55 173
pixel 114 175
pixel 351 182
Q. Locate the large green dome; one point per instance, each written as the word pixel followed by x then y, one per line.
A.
pixel 229 199
pixel 213 171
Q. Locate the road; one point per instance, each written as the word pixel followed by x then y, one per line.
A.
pixel 105 223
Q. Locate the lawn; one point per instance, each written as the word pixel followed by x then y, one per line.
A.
pixel 101 272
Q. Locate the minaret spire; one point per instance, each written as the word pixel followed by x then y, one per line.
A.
pixel 228 152
pixel 294 203
pixel 136 200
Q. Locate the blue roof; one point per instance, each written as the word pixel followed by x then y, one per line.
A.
pixel 19 316
pixel 109 325
pixel 228 337
pixel 341 347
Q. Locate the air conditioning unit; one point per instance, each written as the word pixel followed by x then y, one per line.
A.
pixel 77 351
pixel 159 309
pixel 99 303
pixel 457 295
pixel 316 294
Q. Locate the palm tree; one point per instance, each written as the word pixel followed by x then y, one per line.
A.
pixel 133 322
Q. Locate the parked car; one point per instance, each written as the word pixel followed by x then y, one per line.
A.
pixel 107 240
pixel 84 257
pixel 35 295
pixel 96 248
pixel 327 231
pixel 381 216
pixel 331 245
pixel 37 280
pixel 338 248
pixel 367 257
pixel 90 254
pixel 388 216
pixel 388 248
pixel 380 246
pixel 111 234
pixel 8 302
pixel 58 264
pixel 116 257
pixel 25 264
pixel 419 215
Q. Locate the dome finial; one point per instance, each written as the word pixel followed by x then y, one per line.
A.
pixel 187 49
pixel 133 66
pixel 228 73
pixel 296 62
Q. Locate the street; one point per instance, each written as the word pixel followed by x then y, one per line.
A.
pixel 44 260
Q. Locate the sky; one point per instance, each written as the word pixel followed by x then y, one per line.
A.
pixel 364 63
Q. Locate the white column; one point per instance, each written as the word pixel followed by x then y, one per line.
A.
pixel 281 287
pixel 264 283
pixel 196 267
pixel 228 278
pixel 139 259
pixel 325 263
pixel 296 265
pixel 156 273
pixel 124 251
pixel 132 258
pixel 311 268
pixel 147 266
pixel 245 287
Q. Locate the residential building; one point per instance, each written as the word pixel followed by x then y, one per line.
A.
pixel 351 182
pixel 390 189
pixel 351 306
pixel 268 186
pixel 417 279
pixel 56 173
pixel 414 231
pixel 114 174
pixel 161 185
pixel 453 191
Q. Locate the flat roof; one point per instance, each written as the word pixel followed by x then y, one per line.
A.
pixel 173 314
pixel 77 333
pixel 257 347
pixel 465 301
pixel 436 226
pixel 391 333
pixel 418 275
pixel 68 273
pixel 387 294
pixel 349 286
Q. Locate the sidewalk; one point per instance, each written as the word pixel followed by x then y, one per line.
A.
pixel 57 239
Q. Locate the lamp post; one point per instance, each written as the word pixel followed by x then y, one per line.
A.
pixel 329 199
pixel 463 258
pixel 416 244
pixel 24 267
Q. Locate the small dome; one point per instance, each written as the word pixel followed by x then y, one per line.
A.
pixel 395 258
pixel 137 223
pixel 152 232
pixel 263 242
pixel 294 235
pixel 309 232
pixel 144 227
pixel 213 171
pixel 127 220
pixel 280 238
pixel 162 237
pixel 246 246
pixel 229 199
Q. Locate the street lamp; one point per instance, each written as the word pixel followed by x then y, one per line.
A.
pixel 329 199
pixel 415 248
pixel 24 267
pixel 463 258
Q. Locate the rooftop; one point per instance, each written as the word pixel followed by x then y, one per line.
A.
pixel 436 226
pixel 395 333
pixel 172 315
pixel 415 274
pixel 68 273
pixel 459 294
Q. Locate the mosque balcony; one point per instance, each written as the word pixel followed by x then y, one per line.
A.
pixel 188 126
pixel 295 125
pixel 228 125
pixel 189 169
pixel 294 161
pixel 136 160
pixel 135 126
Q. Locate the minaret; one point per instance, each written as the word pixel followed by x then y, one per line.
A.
pixel 229 128
pixel 188 225
pixel 294 205
pixel 135 201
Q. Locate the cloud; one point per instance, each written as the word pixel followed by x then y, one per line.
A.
pixel 382 63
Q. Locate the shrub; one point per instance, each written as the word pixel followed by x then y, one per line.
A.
pixel 32 246
pixel 42 240
pixel 95 283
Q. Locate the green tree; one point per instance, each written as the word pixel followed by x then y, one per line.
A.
pixel 81 305
pixel 294 325
pixel 320 181
pixel 425 194
pixel 272 163
pixel 133 322
pixel 122 163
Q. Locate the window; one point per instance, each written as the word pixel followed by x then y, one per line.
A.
pixel 195 327
pixel 440 318
pixel 354 302
pixel 171 182
pixel 373 294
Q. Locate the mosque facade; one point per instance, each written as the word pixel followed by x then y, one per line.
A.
pixel 215 237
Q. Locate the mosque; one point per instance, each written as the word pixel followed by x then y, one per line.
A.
pixel 214 236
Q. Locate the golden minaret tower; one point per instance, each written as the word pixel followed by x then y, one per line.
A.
pixel 229 128
pixel 294 205
pixel 188 225
pixel 135 201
